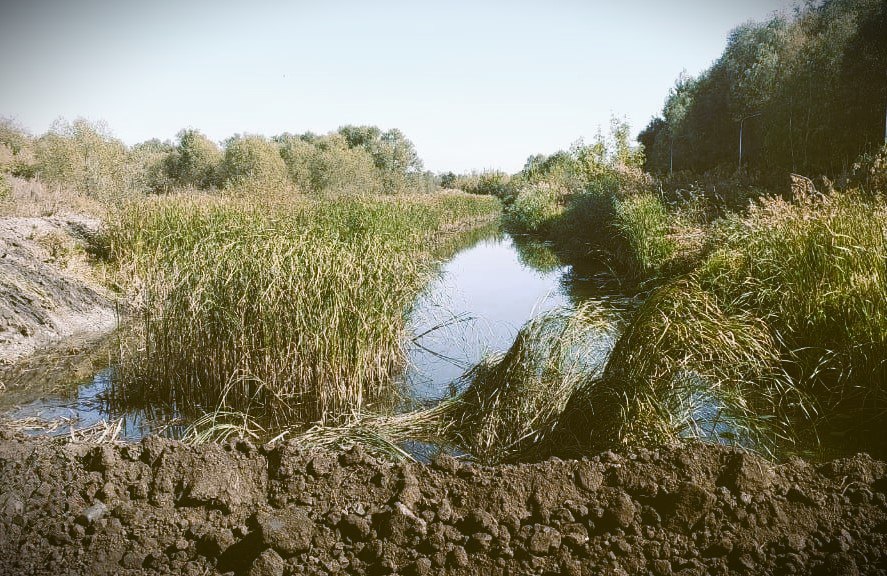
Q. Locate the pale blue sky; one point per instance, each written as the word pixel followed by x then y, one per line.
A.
pixel 474 84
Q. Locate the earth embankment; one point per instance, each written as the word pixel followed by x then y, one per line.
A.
pixel 161 507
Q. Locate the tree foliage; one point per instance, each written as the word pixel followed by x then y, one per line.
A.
pixel 84 156
pixel 148 160
pixel 195 162
pixel 808 93
pixel 253 161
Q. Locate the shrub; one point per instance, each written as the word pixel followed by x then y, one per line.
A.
pixel 253 162
pixel 297 154
pixel 195 162
pixel 16 149
pixel 491 182
pixel 870 171
pixel 84 156
pixel 339 169
pixel 148 166
pixel 534 209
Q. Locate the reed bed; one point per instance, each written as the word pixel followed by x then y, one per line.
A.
pixel 784 323
pixel 291 311
pixel 815 270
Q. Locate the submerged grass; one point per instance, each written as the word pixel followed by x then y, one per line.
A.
pixel 511 400
pixel 289 310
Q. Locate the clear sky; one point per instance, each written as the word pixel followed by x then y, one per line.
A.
pixel 474 84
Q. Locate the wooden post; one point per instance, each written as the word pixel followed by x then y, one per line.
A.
pixel 670 154
pixel 741 122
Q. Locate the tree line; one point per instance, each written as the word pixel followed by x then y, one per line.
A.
pixel 85 156
pixel 806 93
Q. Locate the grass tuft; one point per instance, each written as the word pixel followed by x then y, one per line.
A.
pixel 512 400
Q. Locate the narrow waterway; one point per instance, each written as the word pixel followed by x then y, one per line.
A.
pixel 483 293
pixel 486 289
pixel 479 301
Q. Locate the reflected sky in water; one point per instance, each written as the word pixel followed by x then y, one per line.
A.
pixel 479 301
pixel 480 298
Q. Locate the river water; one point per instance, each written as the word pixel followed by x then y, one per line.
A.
pixel 475 305
pixel 483 293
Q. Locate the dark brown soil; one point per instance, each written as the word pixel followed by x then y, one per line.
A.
pixel 160 507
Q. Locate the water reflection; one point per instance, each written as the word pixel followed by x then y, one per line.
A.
pixel 85 406
pixel 477 304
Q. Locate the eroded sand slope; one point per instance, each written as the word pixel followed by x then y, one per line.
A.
pixel 48 292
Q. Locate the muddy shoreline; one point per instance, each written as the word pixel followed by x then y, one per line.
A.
pixel 161 507
pixel 49 290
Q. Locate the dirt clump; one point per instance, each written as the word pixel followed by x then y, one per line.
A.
pixel 160 507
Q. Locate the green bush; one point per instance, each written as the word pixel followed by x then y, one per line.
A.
pixel 534 209
pixel 195 162
pixel 337 168
pixel 491 182
pixel 85 157
pixel 254 163
pixel 148 161
pixel 297 154
pixel 16 150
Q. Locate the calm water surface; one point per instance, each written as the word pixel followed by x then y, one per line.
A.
pixel 478 301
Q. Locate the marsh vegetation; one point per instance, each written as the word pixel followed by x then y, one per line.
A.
pixel 270 282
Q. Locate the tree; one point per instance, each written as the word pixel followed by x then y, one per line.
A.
pixel 254 162
pixel 806 95
pixel 195 162
pixel 448 180
pixel 84 156
pixel 338 168
pixel 16 149
pixel 148 166
pixel 393 154
pixel 297 153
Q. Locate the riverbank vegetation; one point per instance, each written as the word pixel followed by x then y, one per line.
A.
pixel 272 276
pixel 292 310
pixel 763 295
pixel 268 276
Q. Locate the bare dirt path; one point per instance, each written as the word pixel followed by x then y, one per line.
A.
pixel 160 507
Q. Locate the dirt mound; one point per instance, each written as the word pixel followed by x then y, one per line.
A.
pixel 47 291
pixel 161 507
